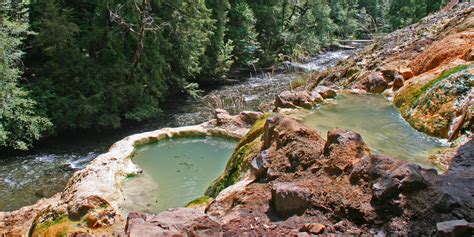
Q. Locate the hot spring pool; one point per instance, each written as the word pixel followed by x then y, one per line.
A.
pixel 175 172
pixel 380 125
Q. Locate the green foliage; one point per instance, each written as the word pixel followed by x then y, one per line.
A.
pixel 20 124
pixel 217 59
pixel 95 64
pixel 84 79
pixel 405 12
pixel 242 31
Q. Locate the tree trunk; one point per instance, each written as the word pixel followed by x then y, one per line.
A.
pixel 141 38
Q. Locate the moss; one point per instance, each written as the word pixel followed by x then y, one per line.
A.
pixel 298 82
pixel 237 165
pixel 255 131
pixel 428 107
pixel 55 221
pixel 200 202
pixel 412 94
pixel 248 147
pixel 131 175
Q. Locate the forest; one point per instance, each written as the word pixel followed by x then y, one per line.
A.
pixel 67 66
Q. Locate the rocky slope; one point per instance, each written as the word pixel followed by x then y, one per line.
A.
pixel 426 67
pixel 296 183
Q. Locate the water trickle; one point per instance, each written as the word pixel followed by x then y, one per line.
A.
pixel 380 125
pixel 175 172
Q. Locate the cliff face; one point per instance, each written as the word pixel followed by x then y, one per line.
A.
pixel 426 67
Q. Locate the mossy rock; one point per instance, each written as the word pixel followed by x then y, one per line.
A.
pixel 431 107
pixel 200 202
pixel 239 163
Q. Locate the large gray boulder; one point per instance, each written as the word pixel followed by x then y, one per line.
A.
pixel 290 199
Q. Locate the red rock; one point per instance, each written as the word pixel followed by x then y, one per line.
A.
pixel 294 99
pixel 325 92
pixel 375 83
pixel 314 228
pixel 406 73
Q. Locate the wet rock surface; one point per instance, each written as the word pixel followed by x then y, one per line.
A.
pixel 295 99
pixel 325 92
pixel 314 186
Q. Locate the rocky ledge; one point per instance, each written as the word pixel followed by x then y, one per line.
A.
pixel 293 182
pixel 91 201
pixel 427 70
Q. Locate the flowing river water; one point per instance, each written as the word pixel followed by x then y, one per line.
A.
pixel 45 170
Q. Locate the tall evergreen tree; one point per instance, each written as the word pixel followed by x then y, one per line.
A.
pixel 20 124
pixel 83 59
pixel 242 32
pixel 217 59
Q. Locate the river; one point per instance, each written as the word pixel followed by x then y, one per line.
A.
pixel 45 170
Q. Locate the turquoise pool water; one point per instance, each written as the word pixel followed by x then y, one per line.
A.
pixel 175 172
pixel 380 125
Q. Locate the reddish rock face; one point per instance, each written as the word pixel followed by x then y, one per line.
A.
pixel 295 99
pixel 443 51
pixel 311 186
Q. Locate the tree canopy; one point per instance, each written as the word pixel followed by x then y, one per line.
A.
pixel 95 64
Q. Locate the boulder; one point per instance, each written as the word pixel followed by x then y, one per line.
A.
pixel 250 117
pixel 343 149
pixel 454 228
pixel 291 145
pixel 410 178
pixel 259 165
pixel 223 118
pixel 389 73
pixel 375 83
pixel 316 97
pixel 385 188
pixel 469 55
pixel 398 82
pixel 290 199
pixel 174 222
pixel 294 99
pixel 325 92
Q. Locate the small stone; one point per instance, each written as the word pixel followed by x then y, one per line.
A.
pixel 398 82
pixel 454 228
pixel 313 228
pixel 406 72
pixel 469 56
pixel 325 92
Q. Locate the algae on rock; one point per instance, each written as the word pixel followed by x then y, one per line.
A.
pixel 239 163
pixel 434 106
